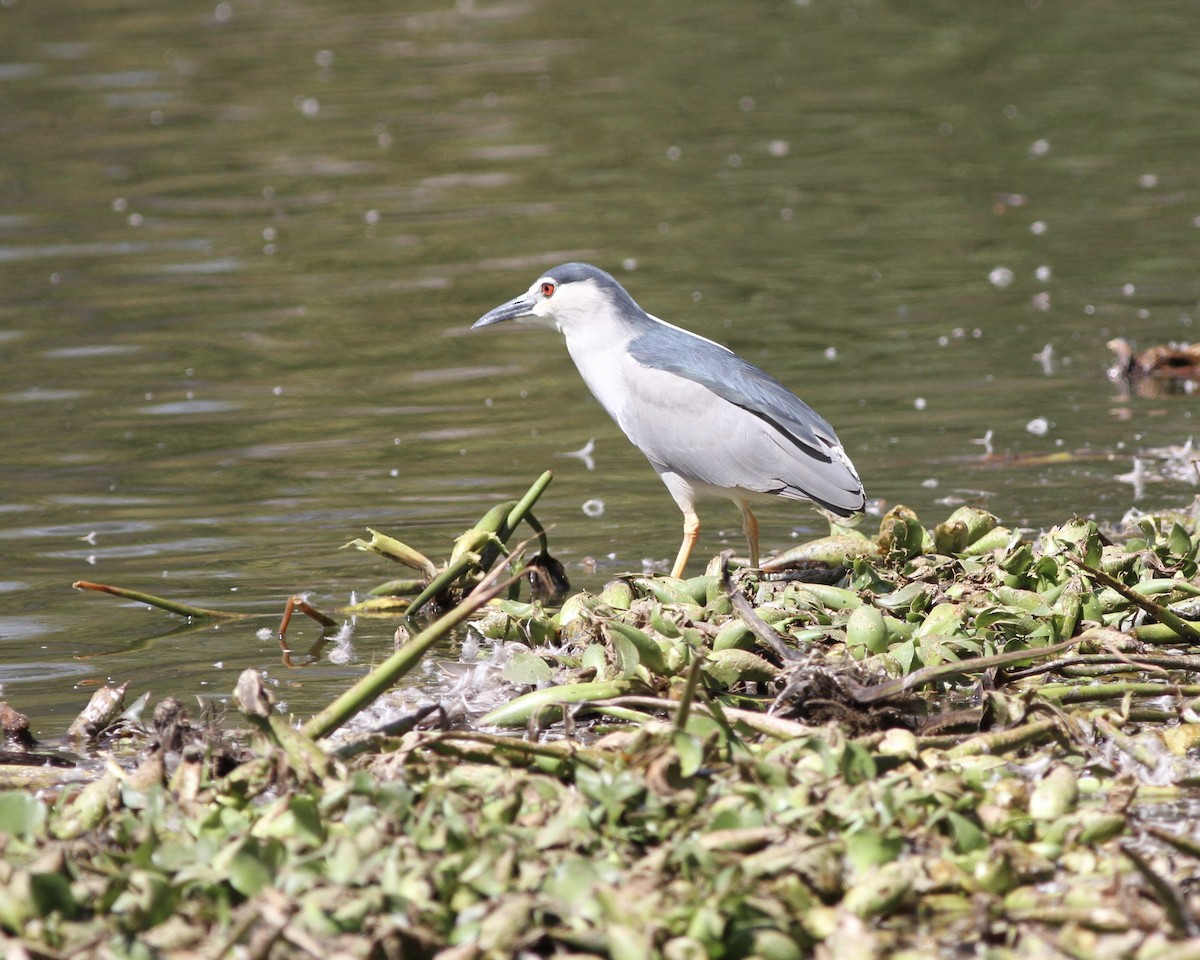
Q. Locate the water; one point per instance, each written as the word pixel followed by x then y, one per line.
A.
pixel 241 245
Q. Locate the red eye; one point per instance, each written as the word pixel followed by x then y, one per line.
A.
pixel 547 289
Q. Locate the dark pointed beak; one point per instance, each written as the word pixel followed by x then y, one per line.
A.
pixel 521 306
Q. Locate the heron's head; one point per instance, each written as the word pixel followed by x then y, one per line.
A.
pixel 568 295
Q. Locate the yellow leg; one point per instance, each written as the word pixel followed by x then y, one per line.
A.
pixel 750 525
pixel 691 533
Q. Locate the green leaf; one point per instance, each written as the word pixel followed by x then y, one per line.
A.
pixel 21 814
pixel 904 654
pixel 857 764
pixel 968 836
pixel 867 848
pixel 691 753
pixel 253 866
pixel 1179 541
pixel 625 654
pixel 527 668
pixel 51 893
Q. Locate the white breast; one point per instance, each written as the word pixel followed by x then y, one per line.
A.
pixel 602 360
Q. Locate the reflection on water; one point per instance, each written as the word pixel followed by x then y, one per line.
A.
pixel 240 248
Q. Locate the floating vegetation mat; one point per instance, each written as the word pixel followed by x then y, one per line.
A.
pixel 961 742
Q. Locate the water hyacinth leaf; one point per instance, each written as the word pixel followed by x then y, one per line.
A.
pixel 831 597
pixel 946 619
pixel 51 893
pixel 1049 570
pixel 999 538
pixel 731 666
pixel 617 594
pixel 677 658
pixel 901 536
pixel 904 654
pixel 574 619
pixel 387 602
pixel 625 637
pixel 933 650
pixel 716 609
pixel 989 618
pixel 1026 600
pixel 1055 794
pixel 705 728
pixel 870 578
pixel 702 589
pixel 690 751
pixel 1091 608
pixel 898 743
pixel 967 835
pixel 1068 608
pixel 663 625
pixel 1017 560
pixel 21 814
pixel 773 944
pixel 86 808
pixel 662 589
pixel 191 855
pixel 1180 542
pixel 16 906
pixel 734 635
pixel 625 656
pixel 508 925
pixel 879 893
pixel 252 865
pixel 978 522
pixel 519 711
pixel 839 550
pixel 392 549
pixel 950 537
pixel 1179 740
pixel 471 543
pixel 867 628
pixel 691 638
pixel 715 595
pixel 996 874
pixel 857 764
pixel 390 590
pixel 527 668
pixel 146 901
pixel 1096 826
pixel 899 629
pixel 595 659
pixel 868 848
pixel 908 597
pixel 707 925
pixel 1077 538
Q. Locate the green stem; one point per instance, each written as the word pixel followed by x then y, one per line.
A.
pixel 1002 741
pixel 488 535
pixel 171 606
pixel 509 747
pixel 1075 693
pixel 520 511
pixel 366 690
pixel 1156 611
pixel 957 668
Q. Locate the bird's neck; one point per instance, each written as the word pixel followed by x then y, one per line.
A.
pixel 600 353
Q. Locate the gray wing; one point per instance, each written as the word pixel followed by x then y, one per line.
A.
pixel 742 428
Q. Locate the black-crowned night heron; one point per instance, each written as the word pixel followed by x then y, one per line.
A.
pixel 710 423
